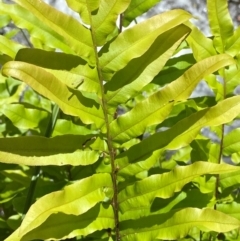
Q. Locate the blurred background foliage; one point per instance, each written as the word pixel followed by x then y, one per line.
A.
pixel 15 179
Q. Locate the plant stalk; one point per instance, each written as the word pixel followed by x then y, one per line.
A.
pixel 112 157
pixel 109 139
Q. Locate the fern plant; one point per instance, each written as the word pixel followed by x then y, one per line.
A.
pixel 102 137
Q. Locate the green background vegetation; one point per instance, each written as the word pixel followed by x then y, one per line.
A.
pixel 101 138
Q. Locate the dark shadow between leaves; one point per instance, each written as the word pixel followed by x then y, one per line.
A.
pixel 157 141
pixel 84 100
pixel 59 225
pixel 136 66
pixel 49 59
pixel 42 146
pixel 169 74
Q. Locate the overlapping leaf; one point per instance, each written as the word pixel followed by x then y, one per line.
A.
pixel 128 64
pixel 64 127
pixel 232 75
pixel 37 150
pixel 48 59
pixel 137 8
pixel 69 226
pixel 164 185
pixel 135 41
pixel 220 23
pixel 148 112
pixel 82 78
pixel 85 8
pixel 69 100
pixel 8 47
pixel 233 43
pixel 76 158
pixel 104 22
pixel 126 83
pixel 201 46
pixel 88 192
pixel 4 59
pixel 173 69
pixel 4 20
pixel 26 20
pixel 75 34
pixel 11 94
pixel 174 226
pixel 69 69
pixel 144 155
pixel 232 209
pixel 102 15
pixel 229 179
pixel 18 176
pixel 158 206
pixel 26 118
pixel 134 123
pixel 231 143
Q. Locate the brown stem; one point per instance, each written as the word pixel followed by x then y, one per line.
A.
pixel 109 139
pixel 121 23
